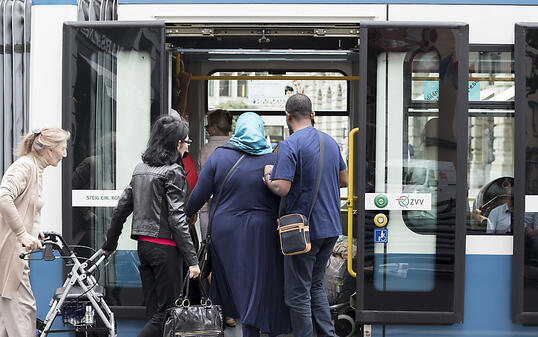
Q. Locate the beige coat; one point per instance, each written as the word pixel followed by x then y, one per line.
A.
pixel 20 209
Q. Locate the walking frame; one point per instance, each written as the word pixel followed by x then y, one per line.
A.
pixel 80 288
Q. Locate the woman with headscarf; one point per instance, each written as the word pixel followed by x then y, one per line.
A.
pixel 247 278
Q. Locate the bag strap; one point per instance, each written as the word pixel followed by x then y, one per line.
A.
pixel 282 206
pixel 318 175
pixel 184 295
pixel 217 200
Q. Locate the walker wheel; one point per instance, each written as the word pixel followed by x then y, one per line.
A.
pixel 344 326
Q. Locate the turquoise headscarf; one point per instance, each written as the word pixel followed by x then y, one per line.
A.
pixel 249 134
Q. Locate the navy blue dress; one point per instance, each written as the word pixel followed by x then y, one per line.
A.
pixel 247 264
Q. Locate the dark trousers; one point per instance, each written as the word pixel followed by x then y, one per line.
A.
pixel 161 274
pixel 304 292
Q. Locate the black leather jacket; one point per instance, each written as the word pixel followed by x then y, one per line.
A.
pixel 156 197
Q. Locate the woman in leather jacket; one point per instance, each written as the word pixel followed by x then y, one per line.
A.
pixel 156 197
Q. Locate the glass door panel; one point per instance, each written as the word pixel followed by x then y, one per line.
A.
pixel 412 219
pixel 525 271
pixel 113 89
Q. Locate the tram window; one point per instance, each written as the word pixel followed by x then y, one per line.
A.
pixel 211 88
pixel 224 87
pixel 268 98
pixel 491 130
pixel 491 141
pixel 490 171
pixel 491 76
pixel 242 87
pixel 271 95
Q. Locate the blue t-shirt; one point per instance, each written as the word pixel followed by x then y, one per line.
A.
pixel 297 161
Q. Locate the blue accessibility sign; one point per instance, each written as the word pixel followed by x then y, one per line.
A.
pixel 381 235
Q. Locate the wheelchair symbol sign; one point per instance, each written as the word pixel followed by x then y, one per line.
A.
pixel 381 235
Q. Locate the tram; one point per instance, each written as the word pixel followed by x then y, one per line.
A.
pixel 433 106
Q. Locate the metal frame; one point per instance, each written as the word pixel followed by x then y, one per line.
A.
pixel 518 263
pixel 418 317
pixel 67 72
pixel 81 275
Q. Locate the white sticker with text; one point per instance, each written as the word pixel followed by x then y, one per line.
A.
pixel 96 198
pixel 398 201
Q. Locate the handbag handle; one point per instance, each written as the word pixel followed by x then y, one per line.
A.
pixel 184 296
pixel 282 205
pixel 217 200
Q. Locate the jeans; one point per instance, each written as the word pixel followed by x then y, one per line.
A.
pixel 162 276
pixel 304 292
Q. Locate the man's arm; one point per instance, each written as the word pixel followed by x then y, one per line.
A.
pixel 279 187
pixel 344 178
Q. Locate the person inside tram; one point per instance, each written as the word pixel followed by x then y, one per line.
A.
pixel 531 234
pixel 163 241
pixel 247 265
pixel 500 217
pixel 219 126
pixel 21 200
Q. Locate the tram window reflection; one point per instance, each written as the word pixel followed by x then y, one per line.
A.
pixel 490 171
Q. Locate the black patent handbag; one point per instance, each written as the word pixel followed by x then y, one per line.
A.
pixel 188 320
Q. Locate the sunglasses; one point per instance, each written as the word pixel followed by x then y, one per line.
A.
pixel 189 142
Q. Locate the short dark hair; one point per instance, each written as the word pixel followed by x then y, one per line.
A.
pixel 299 106
pixel 220 118
pixel 166 132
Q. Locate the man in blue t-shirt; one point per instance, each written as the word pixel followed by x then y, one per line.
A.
pixel 294 176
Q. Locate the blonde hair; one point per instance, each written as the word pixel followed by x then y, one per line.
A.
pixel 37 141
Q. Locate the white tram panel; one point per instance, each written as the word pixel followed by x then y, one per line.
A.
pixel 488 24
pixel 46 95
pixel 253 13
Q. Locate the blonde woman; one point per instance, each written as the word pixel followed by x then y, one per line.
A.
pixel 20 208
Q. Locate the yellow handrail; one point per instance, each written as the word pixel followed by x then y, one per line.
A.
pixel 350 204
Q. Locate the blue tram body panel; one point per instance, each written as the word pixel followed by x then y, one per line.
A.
pixel 488 298
pixel 488 292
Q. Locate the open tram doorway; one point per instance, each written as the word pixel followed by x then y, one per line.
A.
pixel 259 75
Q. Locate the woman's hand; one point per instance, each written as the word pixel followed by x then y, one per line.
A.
pixel 29 241
pixel 194 271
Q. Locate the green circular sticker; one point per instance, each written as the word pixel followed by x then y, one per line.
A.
pixel 380 201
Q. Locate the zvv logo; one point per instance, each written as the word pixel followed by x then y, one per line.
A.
pixel 406 201
pixel 403 201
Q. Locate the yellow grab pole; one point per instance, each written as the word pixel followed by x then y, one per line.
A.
pixel 178 64
pixel 350 204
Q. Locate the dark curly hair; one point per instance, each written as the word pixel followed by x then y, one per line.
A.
pixel 166 132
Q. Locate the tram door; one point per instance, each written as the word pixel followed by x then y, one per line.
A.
pixel 411 172
pixel 525 261
pixel 113 88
